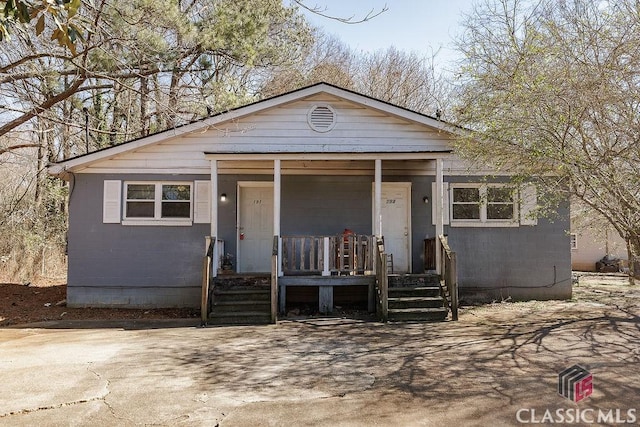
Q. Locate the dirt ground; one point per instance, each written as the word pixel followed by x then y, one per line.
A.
pixel 45 301
pixel 497 366
pixel 590 291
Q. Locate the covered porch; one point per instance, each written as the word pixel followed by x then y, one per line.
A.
pixel 308 256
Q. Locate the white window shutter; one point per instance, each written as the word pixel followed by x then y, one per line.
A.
pixel 528 205
pixel 111 201
pixel 445 203
pixel 202 204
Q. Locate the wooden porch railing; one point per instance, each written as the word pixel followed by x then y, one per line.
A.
pixel 449 275
pixel 206 280
pixel 340 254
pixel 214 249
pixel 274 279
pixel 382 283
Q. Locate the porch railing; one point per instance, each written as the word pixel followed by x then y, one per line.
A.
pixel 327 255
pixel 274 280
pixel 449 275
pixel 382 283
pixel 214 249
pixel 206 280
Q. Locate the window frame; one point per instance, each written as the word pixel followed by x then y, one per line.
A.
pixel 452 188
pixel 484 203
pixel 157 218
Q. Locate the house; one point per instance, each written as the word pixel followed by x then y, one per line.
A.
pixel 593 239
pixel 328 172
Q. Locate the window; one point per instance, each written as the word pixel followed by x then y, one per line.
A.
pixel 574 241
pixel 483 204
pixel 466 203
pixel 500 204
pixel 158 201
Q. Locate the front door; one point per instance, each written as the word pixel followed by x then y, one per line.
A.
pixel 255 227
pixel 396 225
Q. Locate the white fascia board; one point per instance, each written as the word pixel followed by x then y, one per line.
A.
pixel 391 109
pixel 74 165
pixel 326 156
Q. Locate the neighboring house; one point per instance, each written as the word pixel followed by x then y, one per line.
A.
pixel 593 239
pixel 312 162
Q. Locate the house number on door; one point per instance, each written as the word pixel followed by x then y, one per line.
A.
pixel 257 202
pixel 391 201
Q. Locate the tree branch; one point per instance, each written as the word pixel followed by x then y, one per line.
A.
pixel 17 147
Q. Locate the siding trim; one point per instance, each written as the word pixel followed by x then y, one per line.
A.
pixel 445 203
pixel 202 202
pixel 112 202
pixel 528 205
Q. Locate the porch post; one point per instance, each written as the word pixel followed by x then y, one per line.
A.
pixel 377 218
pixel 439 199
pixel 214 216
pixel 277 188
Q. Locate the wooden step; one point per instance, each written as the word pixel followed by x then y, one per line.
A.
pixel 239 318
pixel 416 291
pixel 248 305
pixel 413 280
pixel 418 314
pixel 241 295
pixel 416 302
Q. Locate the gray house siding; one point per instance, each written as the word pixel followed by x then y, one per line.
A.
pixel 521 263
pixel 326 205
pixel 160 266
pixel 129 266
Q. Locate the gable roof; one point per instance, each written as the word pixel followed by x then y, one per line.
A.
pixel 253 108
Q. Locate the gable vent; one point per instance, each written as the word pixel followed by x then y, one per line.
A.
pixel 321 118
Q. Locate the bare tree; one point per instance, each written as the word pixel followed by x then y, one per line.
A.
pixel 551 90
pixel 404 79
pixel 136 70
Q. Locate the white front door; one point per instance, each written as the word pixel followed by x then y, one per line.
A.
pixel 396 223
pixel 255 227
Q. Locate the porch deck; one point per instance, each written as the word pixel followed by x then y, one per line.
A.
pixel 326 263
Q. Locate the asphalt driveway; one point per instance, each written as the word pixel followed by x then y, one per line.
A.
pixel 498 365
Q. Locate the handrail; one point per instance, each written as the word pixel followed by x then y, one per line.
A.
pixel 274 279
pixel 449 273
pixel 382 282
pixel 206 279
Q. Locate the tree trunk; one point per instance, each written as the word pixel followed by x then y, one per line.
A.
pixel 633 247
pixel 144 99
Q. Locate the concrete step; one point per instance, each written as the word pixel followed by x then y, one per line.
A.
pixel 416 302
pixel 239 318
pixel 418 314
pixel 415 291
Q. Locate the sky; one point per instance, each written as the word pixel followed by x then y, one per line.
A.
pixel 420 26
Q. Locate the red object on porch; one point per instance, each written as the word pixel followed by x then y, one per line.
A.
pixel 346 253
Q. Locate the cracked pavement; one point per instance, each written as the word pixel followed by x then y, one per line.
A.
pixel 326 371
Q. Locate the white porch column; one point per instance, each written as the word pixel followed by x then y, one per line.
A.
pixel 214 215
pixel 439 220
pixel 277 189
pixel 377 218
pixel 277 185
